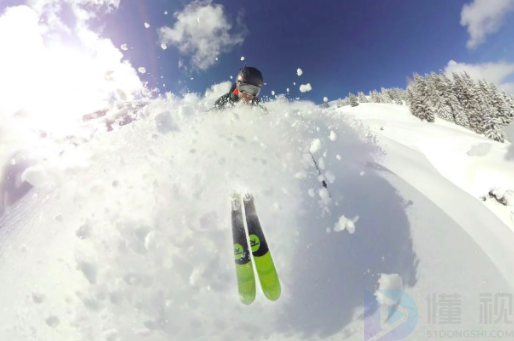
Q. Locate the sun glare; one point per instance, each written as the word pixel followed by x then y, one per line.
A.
pixel 50 82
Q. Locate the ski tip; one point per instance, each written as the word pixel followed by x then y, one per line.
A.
pixel 246 300
pixel 274 294
pixel 236 201
pixel 248 197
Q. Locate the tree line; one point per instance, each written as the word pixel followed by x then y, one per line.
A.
pixel 474 104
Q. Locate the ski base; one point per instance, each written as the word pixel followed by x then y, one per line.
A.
pixel 264 264
pixel 244 269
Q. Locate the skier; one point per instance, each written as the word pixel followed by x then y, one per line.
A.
pixel 247 88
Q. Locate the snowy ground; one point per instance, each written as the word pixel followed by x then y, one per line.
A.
pixel 127 236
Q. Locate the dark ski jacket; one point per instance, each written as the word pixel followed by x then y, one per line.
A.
pixel 231 98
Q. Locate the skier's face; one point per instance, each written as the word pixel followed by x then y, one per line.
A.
pixel 247 91
pixel 246 97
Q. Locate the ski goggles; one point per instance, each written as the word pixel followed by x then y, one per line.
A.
pixel 249 89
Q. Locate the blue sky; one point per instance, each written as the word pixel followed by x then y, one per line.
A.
pixel 341 46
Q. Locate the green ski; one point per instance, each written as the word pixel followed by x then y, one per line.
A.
pixel 244 268
pixel 264 264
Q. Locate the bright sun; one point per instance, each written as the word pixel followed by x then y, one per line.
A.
pixel 49 84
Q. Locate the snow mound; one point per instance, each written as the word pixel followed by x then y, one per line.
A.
pixel 141 235
pixel 132 238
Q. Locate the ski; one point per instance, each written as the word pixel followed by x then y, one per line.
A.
pixel 264 264
pixel 244 268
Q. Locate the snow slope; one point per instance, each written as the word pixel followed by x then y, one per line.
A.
pixel 470 161
pixel 127 236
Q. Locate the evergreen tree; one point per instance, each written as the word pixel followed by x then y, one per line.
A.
pixel 413 101
pixel 486 100
pixel 385 97
pixel 408 98
pixel 353 100
pixel 499 106
pixel 491 120
pixel 397 96
pixel 420 107
pixel 463 95
pixel 404 95
pixel 438 98
pixel 393 94
pixel 506 106
pixel 451 100
pixel 390 93
pixel 362 98
pixel 475 106
pixel 340 103
pixel 449 108
pixel 379 97
pixel 509 103
pixel 374 97
pixel 492 128
pixel 433 95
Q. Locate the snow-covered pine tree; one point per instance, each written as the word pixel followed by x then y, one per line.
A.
pixel 509 105
pixel 391 93
pixel 420 107
pixel 385 97
pixel 502 104
pixel 353 100
pixel 474 108
pixel 397 96
pixel 346 101
pixel 408 98
pixel 497 103
pixel 486 94
pixel 340 103
pixel 449 105
pixel 451 100
pixel 492 122
pixel 485 97
pixel 362 98
pixel 380 98
pixel 463 94
pixel 402 96
pixel 433 94
pixel 447 99
pixel 374 97
pixel 412 100
pixel 492 127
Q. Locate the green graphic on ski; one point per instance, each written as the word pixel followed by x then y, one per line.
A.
pixel 264 264
pixel 244 268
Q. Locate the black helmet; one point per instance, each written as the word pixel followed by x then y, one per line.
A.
pixel 250 75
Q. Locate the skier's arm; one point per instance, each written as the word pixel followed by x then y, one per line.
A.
pixel 221 102
pixel 258 103
pixel 260 106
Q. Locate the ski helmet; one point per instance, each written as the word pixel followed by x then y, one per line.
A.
pixel 250 75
